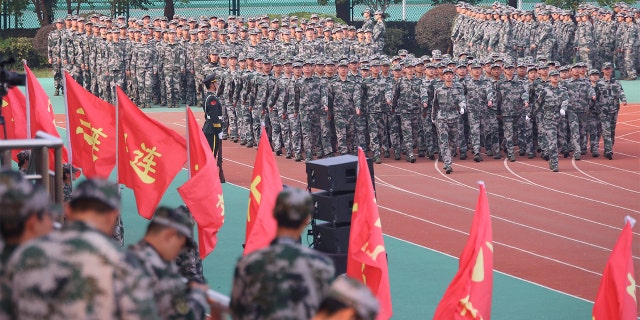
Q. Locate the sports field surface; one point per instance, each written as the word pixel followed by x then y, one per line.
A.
pixel 553 232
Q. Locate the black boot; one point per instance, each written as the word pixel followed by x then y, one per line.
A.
pixel 221 175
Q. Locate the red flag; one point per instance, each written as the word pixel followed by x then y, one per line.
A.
pixel 469 293
pixel 367 258
pixel 41 113
pixel 14 111
pixel 91 129
pixel 149 155
pixel 616 297
pixel 203 192
pixel 266 184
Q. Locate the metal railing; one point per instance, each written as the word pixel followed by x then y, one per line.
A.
pixel 38 170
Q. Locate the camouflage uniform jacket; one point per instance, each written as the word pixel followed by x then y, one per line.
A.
pixel 405 95
pixel 173 297
pixel 373 91
pixel 511 96
pixel 78 273
pixel 609 95
pixel 478 93
pixel 345 95
pixel 6 311
pixel 580 94
pixel 282 281
pixel 447 102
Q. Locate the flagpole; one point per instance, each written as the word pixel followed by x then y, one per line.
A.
pixel 188 144
pixel 28 103
pixel 66 113
pixel 117 137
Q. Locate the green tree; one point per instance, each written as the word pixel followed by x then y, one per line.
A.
pixel 437 2
pixel 564 4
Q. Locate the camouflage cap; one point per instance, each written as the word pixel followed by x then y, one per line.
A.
pixel 447 70
pixel 20 197
pixel 355 295
pixel 396 67
pixel 98 189
pixel 554 73
pixel 594 71
pixel 607 65
pixel 179 219
pixel 293 205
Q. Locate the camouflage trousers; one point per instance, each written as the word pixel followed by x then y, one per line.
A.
pixel 510 127
pixel 463 133
pixel 244 124
pixel 116 79
pixel 606 129
pixel 95 81
pixel 540 136
pixel 258 116
pixel 477 123
pixel 172 86
pixel 593 131
pixel 395 132
pixel 619 56
pixel 447 138
pixel 563 133
pixel 430 133
pixel 190 264
pixel 525 135
pixel 629 63
pixel 311 131
pixel 362 135
pixel 614 123
pixel 132 88
pixel 276 128
pixel 57 76
pixel 190 92
pixel 104 85
pixel 86 79
pixel 550 121
pixel 159 89
pixel 328 137
pixel 345 132
pixel 292 134
pixel 230 124
pixel 578 130
pixel 144 83
pixel 492 132
pixel 584 55
pixel 377 127
pixel 411 125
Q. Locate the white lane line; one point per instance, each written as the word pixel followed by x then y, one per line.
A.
pixel 575 165
pixel 611 167
pixel 569 193
pixel 386 184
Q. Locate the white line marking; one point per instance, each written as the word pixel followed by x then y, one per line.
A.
pixel 573 162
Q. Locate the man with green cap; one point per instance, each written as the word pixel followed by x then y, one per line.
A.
pixel 168 234
pixel 284 280
pixel 78 272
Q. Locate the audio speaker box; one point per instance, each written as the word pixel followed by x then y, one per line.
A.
pixel 331 238
pixel 332 207
pixel 335 174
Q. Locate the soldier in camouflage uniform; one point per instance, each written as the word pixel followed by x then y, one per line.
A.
pixel 511 98
pixel 584 39
pixel 609 96
pixel 552 103
pixel 405 96
pixel 310 99
pixel 117 64
pixel 54 54
pixel 379 31
pixel 173 66
pixel 581 96
pixel 78 258
pixel 345 96
pixel 169 233
pixel 480 94
pixel 26 215
pixel 284 280
pixel 448 104
pixel 376 109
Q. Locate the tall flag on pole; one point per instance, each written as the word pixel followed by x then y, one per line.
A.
pixel 616 297
pixel 266 184
pixel 150 155
pixel 469 293
pixel 41 113
pixel 92 130
pixel 202 193
pixel 367 257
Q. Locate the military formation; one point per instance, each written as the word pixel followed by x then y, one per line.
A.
pixel 324 89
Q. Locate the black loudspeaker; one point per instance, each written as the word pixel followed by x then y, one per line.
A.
pixel 336 174
pixel 333 207
pixel 339 262
pixel 331 238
